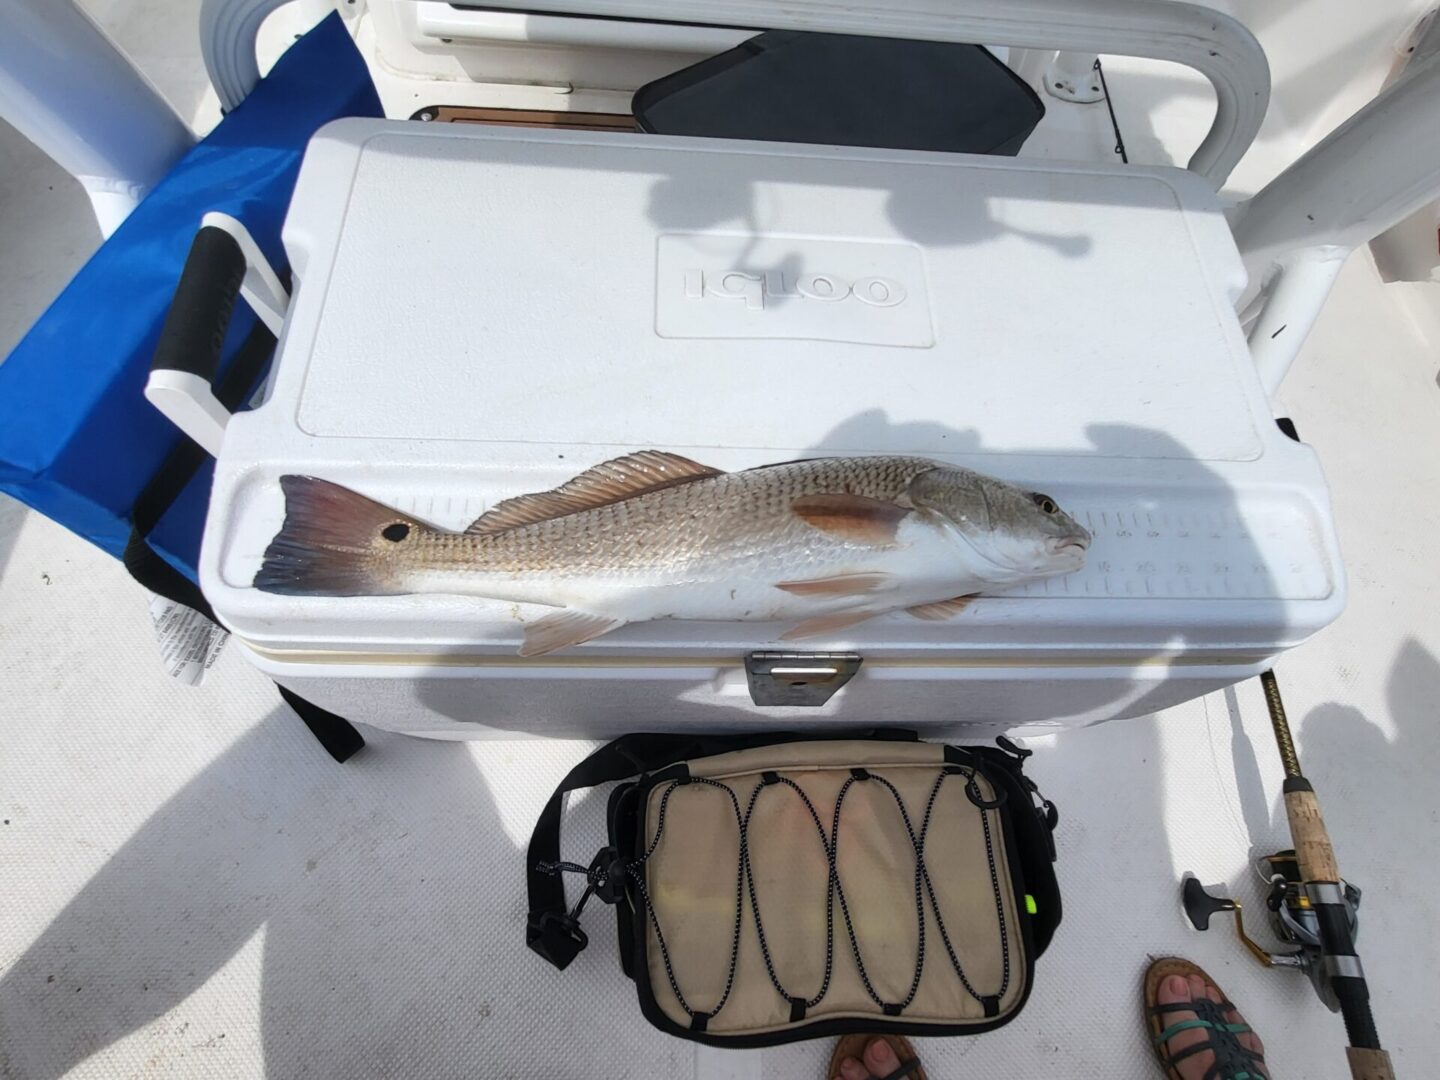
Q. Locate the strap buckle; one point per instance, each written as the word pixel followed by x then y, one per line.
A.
pixel 1011 747
pixel 556 936
pixel 607 876
pixel 1045 813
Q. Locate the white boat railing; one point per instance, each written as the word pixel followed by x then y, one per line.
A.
pixel 95 114
pixel 1210 42
pixel 1371 172
pixel 1214 44
pixel 1374 170
pixel 228 30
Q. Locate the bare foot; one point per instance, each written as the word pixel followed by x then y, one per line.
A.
pixel 1175 989
pixel 879 1061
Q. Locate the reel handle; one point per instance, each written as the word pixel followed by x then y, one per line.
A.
pixel 1200 905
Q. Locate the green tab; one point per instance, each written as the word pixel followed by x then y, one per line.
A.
pixel 1030 906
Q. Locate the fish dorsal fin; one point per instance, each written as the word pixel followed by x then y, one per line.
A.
pixel 609 482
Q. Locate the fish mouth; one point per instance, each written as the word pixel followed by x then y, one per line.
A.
pixel 1075 546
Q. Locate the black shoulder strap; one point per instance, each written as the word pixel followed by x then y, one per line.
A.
pixel 551 930
pixel 334 733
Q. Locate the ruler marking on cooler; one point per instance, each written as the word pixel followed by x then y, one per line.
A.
pixel 1196 552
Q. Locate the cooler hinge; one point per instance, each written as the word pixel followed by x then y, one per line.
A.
pixel 798 678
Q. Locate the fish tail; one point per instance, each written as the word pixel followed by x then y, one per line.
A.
pixel 334 543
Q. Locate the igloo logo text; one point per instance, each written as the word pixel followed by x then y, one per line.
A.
pixel 771 287
pixel 746 285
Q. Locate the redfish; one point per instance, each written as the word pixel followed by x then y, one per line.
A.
pixel 823 543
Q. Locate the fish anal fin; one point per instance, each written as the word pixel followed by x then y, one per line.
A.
pixel 564 628
pixel 851 517
pixel 942 609
pixel 609 482
pixel 839 585
pixel 821 625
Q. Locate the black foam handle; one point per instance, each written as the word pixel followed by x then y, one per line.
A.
pixel 1351 991
pixel 1354 998
pixel 194 331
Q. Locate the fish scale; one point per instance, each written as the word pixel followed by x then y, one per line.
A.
pixel 724 519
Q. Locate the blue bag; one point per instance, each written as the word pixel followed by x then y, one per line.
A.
pixel 78 441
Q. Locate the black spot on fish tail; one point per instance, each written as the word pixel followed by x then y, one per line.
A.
pixel 334 542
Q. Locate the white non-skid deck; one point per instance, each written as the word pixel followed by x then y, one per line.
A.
pixel 189 886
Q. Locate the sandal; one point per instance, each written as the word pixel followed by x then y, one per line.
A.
pixel 1232 1060
pixel 853 1046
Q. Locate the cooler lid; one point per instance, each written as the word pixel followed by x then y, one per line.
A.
pixel 482 312
pixel 497 286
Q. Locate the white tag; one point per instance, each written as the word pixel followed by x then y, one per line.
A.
pixel 189 642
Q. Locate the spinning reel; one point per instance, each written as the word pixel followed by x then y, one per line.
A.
pixel 1312 908
pixel 1292 918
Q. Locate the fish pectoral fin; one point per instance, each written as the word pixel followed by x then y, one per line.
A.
pixel 851 517
pixel 563 629
pixel 609 482
pixel 839 585
pixel 943 609
pixel 827 624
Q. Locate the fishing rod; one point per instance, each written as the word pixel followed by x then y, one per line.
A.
pixel 1311 907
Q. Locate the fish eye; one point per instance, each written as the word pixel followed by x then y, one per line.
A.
pixel 1044 502
pixel 396 532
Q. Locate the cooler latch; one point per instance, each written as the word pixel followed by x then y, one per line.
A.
pixel 798 678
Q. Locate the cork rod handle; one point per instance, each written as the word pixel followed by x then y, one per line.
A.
pixel 1312 842
pixel 1369 1064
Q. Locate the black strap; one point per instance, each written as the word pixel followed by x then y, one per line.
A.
pixel 176 472
pixel 1231 1056
pixel 339 738
pixel 157 575
pixel 1215 1073
pixel 551 930
pixel 905 1069
pixel 1182 1006
pixel 336 734
pixel 1173 1060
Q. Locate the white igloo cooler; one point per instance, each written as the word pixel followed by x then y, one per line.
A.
pixel 482 312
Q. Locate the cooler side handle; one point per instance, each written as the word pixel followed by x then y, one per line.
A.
pixel 224 262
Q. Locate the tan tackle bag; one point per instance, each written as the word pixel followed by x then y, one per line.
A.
pixel 781 887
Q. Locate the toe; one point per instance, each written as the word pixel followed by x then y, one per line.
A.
pixel 1199 988
pixel 880 1058
pixel 851 1069
pixel 1248 1039
pixel 1173 990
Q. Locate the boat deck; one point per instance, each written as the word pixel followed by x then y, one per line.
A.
pixel 192 888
